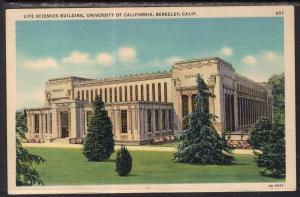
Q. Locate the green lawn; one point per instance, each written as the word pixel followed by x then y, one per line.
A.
pixel 66 166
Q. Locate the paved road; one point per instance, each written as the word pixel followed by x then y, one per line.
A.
pixel 140 148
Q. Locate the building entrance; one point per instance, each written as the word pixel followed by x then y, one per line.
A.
pixel 64 123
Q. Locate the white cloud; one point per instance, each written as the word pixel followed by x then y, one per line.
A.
pixel 271 55
pixel 127 54
pixel 249 59
pixel 105 58
pixel 172 60
pixel 226 51
pixel 77 57
pixel 261 66
pixel 42 63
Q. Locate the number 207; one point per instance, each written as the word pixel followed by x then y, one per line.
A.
pixel 279 13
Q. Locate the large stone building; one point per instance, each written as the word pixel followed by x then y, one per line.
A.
pixel 146 106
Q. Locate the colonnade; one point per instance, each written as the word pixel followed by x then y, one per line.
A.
pixel 251 109
pixel 39 123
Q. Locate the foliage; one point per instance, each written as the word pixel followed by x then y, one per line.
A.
pixel 260 133
pixel 278 104
pixel 269 139
pixel 200 142
pixel 26 175
pixel 123 161
pixel 98 143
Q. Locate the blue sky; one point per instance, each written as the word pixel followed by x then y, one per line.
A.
pixel 101 48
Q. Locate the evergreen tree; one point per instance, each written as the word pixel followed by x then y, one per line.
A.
pixel 260 133
pixel 98 144
pixel 269 139
pixel 26 175
pixel 123 161
pixel 201 143
pixel 278 103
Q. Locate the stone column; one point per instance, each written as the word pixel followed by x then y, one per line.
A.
pixel 40 125
pixel 54 123
pixel 44 124
pixel 118 122
pixel 129 121
pixel 73 122
pixel 236 111
pixel 28 119
pixel 48 123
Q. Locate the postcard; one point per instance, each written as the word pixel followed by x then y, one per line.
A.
pixel 150 99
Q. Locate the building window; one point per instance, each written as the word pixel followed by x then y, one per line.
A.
pixel 105 95
pixel 130 93
pixel 120 94
pixel 125 93
pixel 124 121
pixel 101 93
pixel 159 92
pixel 110 95
pixel 157 120
pixel 82 95
pixel 78 95
pixel 92 95
pixel 153 92
pixel 170 119
pixel 116 94
pixel 136 93
pixel 96 92
pixel 166 91
pixel 163 119
pixel 185 111
pixel 147 92
pixel 36 123
pixel 149 120
pixel 87 95
pixel 142 93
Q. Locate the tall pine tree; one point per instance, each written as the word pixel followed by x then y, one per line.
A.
pixel 26 175
pixel 98 144
pixel 201 143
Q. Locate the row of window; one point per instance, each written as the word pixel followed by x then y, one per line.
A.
pixel 119 95
pixel 249 90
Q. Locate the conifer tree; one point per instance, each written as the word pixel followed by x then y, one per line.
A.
pixel 26 175
pixel 201 143
pixel 260 133
pixel 123 161
pixel 269 139
pixel 98 143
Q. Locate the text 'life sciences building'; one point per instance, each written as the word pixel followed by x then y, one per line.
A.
pixel 146 106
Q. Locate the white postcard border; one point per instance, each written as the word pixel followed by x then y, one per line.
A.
pixel 13 15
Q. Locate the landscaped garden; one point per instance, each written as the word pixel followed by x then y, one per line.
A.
pixel 68 166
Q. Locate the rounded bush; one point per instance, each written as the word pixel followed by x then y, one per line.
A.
pixel 123 161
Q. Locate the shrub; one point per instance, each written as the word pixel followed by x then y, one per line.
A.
pixel 123 161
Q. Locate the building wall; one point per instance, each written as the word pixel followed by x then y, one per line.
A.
pixel 237 104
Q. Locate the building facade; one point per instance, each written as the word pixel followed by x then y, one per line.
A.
pixel 143 107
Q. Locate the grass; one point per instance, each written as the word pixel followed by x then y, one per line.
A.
pixel 66 166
